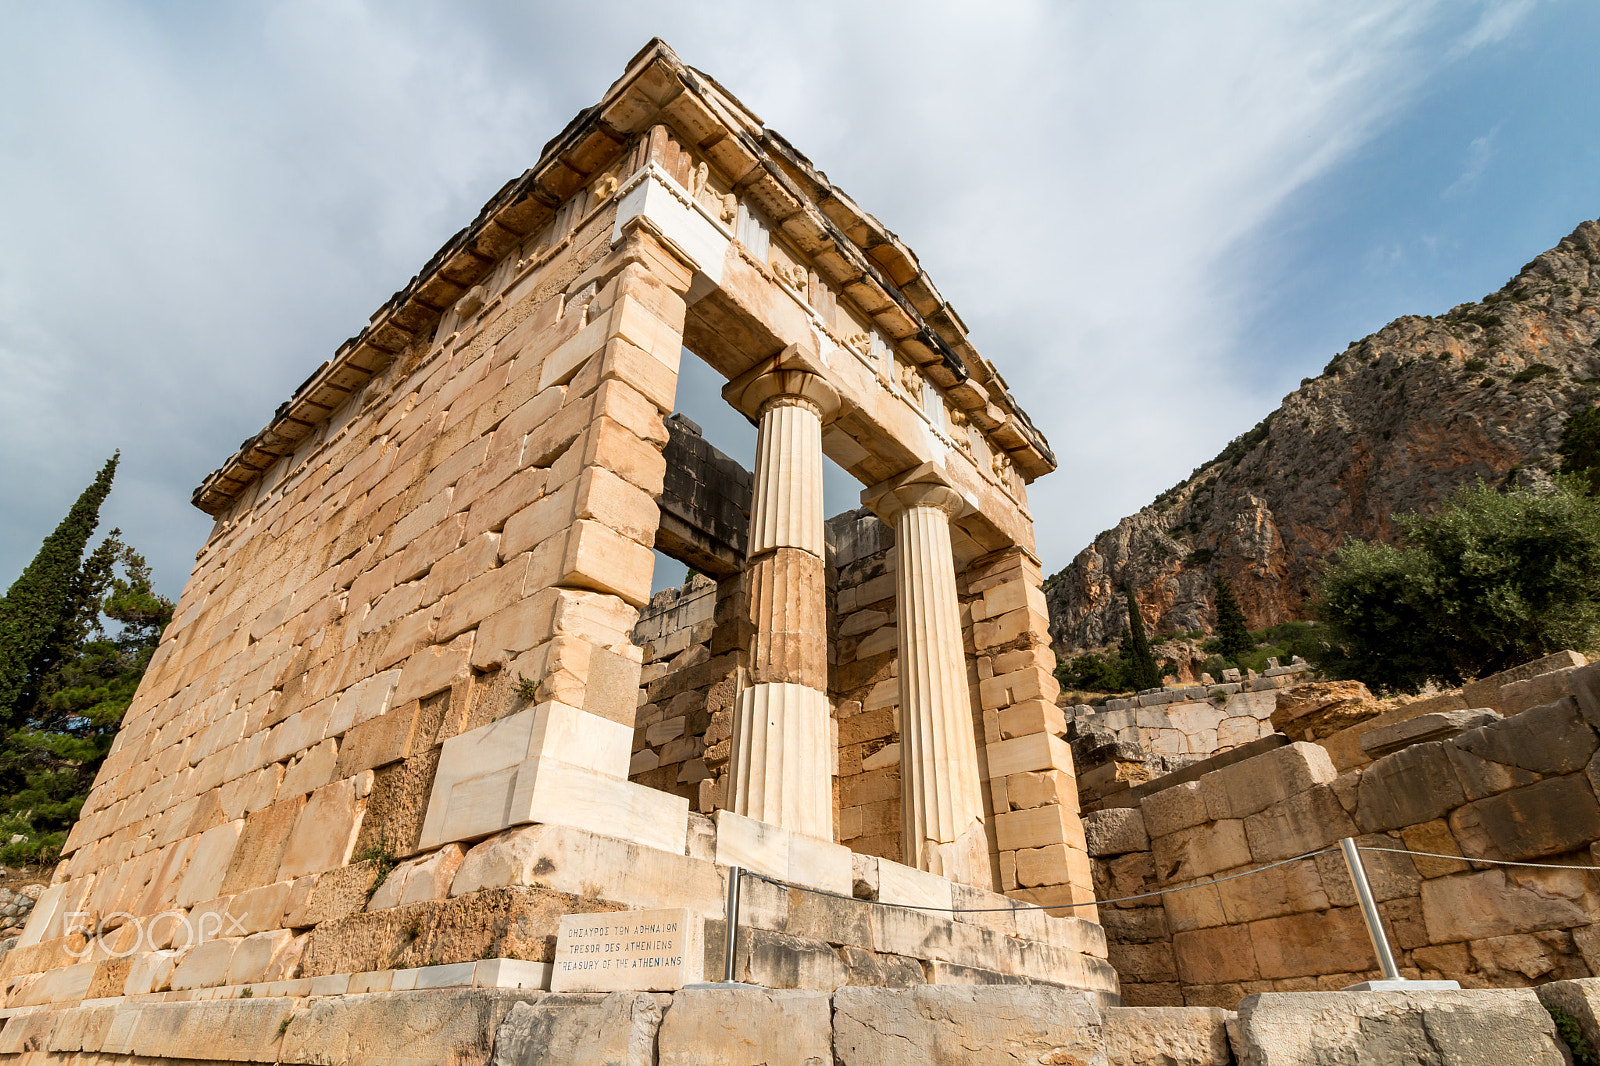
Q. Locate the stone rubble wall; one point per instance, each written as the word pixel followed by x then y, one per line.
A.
pixel 1128 742
pixel 688 684
pixel 863 655
pixel 856 1026
pixel 1521 788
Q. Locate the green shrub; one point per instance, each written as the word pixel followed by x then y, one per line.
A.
pixel 1580 447
pixel 1532 372
pixel 1493 579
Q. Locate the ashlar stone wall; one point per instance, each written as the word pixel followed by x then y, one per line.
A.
pixel 410 631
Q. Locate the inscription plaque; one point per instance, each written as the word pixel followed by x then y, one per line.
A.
pixel 626 951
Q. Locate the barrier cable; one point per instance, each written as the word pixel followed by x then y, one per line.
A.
pixel 1025 905
pixel 1492 862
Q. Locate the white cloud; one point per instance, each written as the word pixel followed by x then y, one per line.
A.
pixel 1479 151
pixel 200 202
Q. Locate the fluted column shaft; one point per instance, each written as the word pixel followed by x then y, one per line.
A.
pixel 781 765
pixel 942 808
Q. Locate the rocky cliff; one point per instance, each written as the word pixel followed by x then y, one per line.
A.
pixel 1393 424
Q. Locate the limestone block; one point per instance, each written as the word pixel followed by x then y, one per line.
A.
pixel 1271 893
pixel 1315 942
pixel 1441 725
pixel 254 955
pixel 1167 1036
pixel 1552 739
pixel 1038 788
pixel 1478 1027
pixel 397 805
pixel 383 739
pixel 747 1027
pixel 202 878
pixel 1038 751
pixel 1215 955
pixel 261 908
pixel 1201 850
pixel 777 852
pixel 909 887
pixel 1304 822
pixel 1115 831
pixel 234 1030
pixel 1175 808
pixel 151 972
pixel 433 668
pixel 1552 816
pixel 430 877
pixel 324 833
pixel 552 791
pixel 950 1025
pixel 581 1029
pixel 206 965
pixel 337 894
pixel 313 770
pixel 1413 785
pixel 1054 864
pixel 1253 784
pixel 1493 903
pixel 404 1028
pixel 1038 827
pixel 572 860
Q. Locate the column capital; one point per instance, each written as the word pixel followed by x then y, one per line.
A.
pixel 791 377
pixel 921 487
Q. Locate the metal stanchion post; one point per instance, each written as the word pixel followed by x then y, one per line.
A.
pixel 1391 981
pixel 731 934
pixel 730 937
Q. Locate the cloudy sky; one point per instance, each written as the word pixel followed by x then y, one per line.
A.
pixel 1155 217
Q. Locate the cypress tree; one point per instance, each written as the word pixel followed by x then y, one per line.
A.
pixel 44 601
pixel 1233 634
pixel 1142 668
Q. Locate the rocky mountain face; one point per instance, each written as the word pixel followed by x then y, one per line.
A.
pixel 1393 424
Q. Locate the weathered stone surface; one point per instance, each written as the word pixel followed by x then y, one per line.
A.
pixel 1553 739
pixel 239 1030
pixel 1413 785
pixel 747 1027
pixel 1580 1000
pixel 949 1025
pixel 1552 816
pixel 416 1028
pixel 1493 903
pixel 1115 831
pixel 1167 1036
pixel 515 922
pixel 1486 1027
pixel 580 1029
pixel 1441 725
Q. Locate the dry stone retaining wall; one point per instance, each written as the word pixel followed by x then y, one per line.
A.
pixel 1522 789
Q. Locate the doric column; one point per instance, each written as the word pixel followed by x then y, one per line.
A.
pixel 781 766
pixel 942 799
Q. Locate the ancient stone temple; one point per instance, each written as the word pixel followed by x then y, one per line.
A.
pixel 409 718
